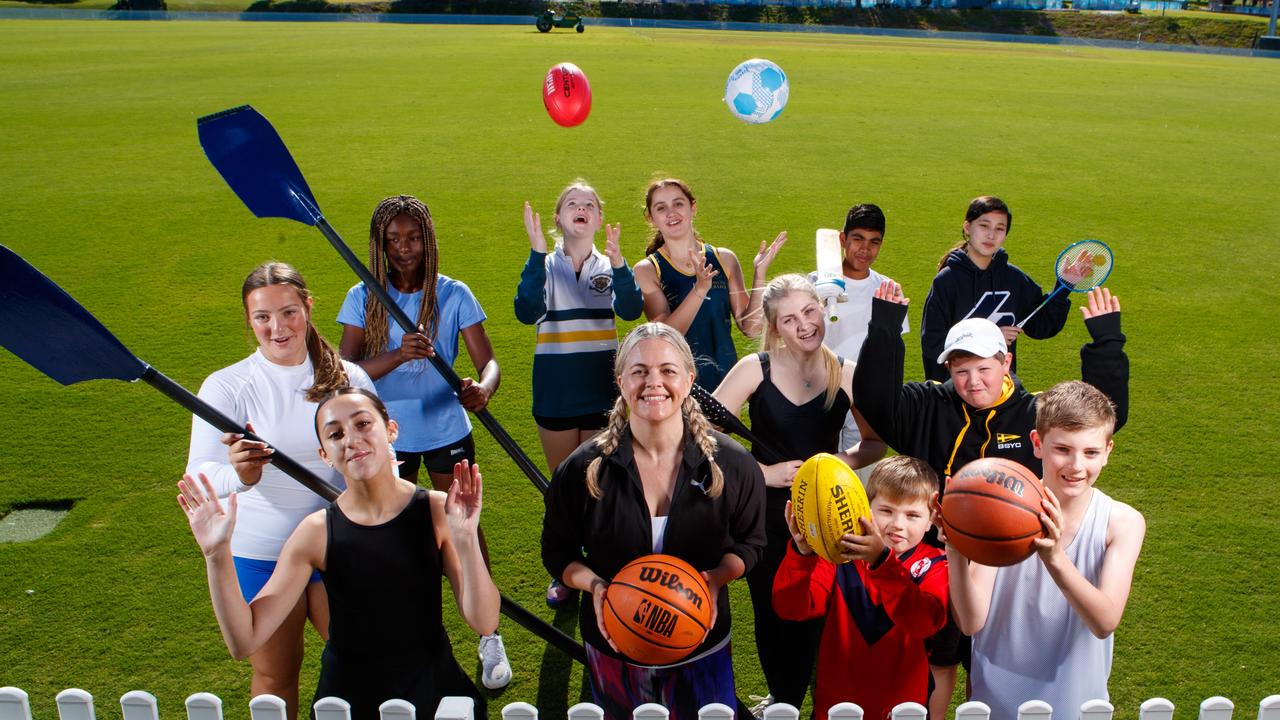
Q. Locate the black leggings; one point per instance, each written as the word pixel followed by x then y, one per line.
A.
pixel 788 650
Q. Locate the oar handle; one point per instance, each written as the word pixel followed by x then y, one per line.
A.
pixel 718 414
pixel 486 418
pixel 544 630
pixel 209 414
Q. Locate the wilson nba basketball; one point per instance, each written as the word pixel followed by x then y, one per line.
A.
pixel 827 499
pixel 991 511
pixel 657 610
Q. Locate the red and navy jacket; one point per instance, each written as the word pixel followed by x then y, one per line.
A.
pixel 877 621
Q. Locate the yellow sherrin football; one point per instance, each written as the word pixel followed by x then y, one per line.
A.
pixel 827 499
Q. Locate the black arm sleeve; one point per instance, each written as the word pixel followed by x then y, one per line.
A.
pixel 747 525
pixel 566 511
pixel 878 391
pixel 1049 321
pixel 934 324
pixel 1104 365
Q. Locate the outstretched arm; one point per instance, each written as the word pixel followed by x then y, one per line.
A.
pixel 457 521
pixel 628 302
pixel 1103 363
pixel 746 305
pixel 246 627
pixel 971 584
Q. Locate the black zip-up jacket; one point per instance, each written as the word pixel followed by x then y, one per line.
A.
pixel 929 421
pixel 608 533
pixel 1002 293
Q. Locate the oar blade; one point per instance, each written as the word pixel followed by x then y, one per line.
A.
pixel 249 154
pixel 46 327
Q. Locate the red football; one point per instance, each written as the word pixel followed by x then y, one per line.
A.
pixel 567 94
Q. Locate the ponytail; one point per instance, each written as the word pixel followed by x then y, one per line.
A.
pixel 327 372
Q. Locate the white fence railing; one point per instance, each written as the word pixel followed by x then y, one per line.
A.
pixel 76 704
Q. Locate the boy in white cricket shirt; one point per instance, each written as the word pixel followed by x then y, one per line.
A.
pixel 861 239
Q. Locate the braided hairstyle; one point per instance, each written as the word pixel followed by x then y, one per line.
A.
pixel 375 316
pixel 327 372
pixel 770 340
pixel 690 411
pixel 658 241
pixel 978 207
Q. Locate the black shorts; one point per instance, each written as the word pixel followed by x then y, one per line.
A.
pixel 439 460
pixel 950 647
pixel 591 421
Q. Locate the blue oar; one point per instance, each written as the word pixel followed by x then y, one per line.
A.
pixel 46 327
pixel 71 346
pixel 249 154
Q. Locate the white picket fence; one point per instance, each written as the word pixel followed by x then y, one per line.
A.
pixel 76 704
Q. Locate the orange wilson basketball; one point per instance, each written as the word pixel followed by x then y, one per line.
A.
pixel 991 511
pixel 657 610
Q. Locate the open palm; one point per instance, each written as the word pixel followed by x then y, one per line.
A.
pixel 210 523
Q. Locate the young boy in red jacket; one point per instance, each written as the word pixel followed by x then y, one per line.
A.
pixel 888 595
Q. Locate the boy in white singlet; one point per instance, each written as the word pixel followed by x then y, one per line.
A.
pixel 1042 629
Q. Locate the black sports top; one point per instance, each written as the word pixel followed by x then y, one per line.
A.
pixel 800 431
pixel 383 583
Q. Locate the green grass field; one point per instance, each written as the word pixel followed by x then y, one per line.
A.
pixel 1170 158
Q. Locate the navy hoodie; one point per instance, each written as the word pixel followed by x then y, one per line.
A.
pixel 1002 293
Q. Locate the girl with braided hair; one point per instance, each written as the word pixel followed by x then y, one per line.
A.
pixel 658 479
pixel 434 428
pixel 274 392
pixel 799 393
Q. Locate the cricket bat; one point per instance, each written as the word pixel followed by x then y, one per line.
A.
pixel 830 266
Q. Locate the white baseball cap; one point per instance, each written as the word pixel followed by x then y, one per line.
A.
pixel 979 336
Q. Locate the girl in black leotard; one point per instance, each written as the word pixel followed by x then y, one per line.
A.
pixel 798 391
pixel 382 548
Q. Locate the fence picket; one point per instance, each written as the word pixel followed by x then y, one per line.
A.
pixel 456 707
pixel 204 706
pixel 782 711
pixel 1216 708
pixel 75 704
pixel 1156 708
pixel 332 708
pixel 1096 710
pixel 397 710
pixel 650 711
pixel 139 705
pixel 1035 710
pixel 519 711
pixel 716 711
pixel 845 711
pixel 14 704
pixel 586 711
pixel 1269 708
pixel 973 710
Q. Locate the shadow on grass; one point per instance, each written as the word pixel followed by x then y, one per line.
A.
pixel 556 671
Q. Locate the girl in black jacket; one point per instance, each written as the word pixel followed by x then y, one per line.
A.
pixel 976 279
pixel 656 480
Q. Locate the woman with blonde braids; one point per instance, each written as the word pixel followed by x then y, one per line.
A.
pixel 658 479
pixel 434 428
pixel 274 391
pixel 799 392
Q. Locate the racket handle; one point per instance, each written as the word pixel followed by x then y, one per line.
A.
pixel 1053 294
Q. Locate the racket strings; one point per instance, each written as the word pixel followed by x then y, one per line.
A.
pixel 1085 266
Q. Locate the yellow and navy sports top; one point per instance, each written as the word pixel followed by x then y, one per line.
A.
pixel 710 336
pixel 577 337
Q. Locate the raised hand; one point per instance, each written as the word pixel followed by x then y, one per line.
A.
pixel 462 505
pixel 247 457
pixel 611 247
pixel 935 514
pixel 797 537
pixel 533 226
pixel 1079 269
pixel 765 257
pixel 1010 333
pixel 891 291
pixel 702 269
pixel 210 524
pixel 1100 302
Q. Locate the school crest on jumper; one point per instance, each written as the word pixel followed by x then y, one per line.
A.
pixel 602 283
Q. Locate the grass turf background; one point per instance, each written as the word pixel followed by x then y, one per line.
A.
pixel 1170 158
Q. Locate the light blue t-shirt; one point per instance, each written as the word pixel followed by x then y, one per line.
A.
pixel 419 400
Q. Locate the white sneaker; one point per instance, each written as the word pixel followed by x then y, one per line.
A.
pixel 760 704
pixel 493 657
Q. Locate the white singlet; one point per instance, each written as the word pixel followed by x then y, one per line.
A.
pixel 273 398
pixel 1034 646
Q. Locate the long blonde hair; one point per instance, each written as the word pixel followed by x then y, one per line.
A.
pixel 770 340
pixel 619 417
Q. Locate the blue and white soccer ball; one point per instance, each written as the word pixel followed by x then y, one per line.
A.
pixel 757 91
